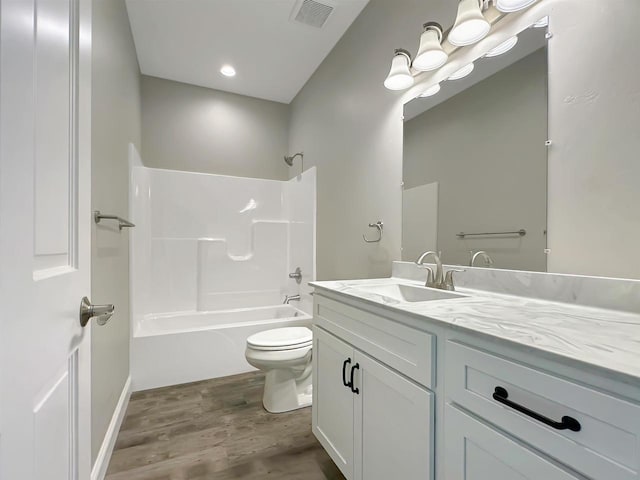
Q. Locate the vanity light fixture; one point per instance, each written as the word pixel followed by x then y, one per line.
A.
pixel 504 47
pixel 430 53
pixel 463 72
pixel 509 6
pixel 228 71
pixel 470 26
pixel 429 92
pixel 399 77
pixel 543 22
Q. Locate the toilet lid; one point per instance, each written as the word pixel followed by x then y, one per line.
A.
pixel 283 338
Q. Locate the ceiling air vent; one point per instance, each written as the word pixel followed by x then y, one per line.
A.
pixel 312 13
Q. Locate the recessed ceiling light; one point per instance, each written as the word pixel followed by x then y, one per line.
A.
pixel 228 71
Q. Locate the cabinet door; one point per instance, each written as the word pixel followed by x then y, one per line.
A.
pixel 393 424
pixel 475 451
pixel 333 402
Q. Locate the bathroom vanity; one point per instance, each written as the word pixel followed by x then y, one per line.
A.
pixel 515 375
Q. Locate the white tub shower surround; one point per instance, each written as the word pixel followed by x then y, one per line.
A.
pixel 210 261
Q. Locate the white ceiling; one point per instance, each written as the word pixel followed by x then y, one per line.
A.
pixel 274 56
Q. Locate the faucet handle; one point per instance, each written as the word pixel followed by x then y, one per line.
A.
pixel 448 278
pixel 430 277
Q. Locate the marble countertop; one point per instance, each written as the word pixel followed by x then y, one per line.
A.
pixel 606 339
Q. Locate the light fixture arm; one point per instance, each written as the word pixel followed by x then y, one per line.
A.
pixel 402 51
pixel 436 27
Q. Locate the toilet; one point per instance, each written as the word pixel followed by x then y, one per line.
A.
pixel 284 354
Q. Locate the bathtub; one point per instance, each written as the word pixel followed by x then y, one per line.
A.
pixel 182 347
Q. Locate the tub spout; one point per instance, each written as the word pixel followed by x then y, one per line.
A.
pixel 291 298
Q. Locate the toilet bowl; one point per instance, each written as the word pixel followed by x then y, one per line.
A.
pixel 284 354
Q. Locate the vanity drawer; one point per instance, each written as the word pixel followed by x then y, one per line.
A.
pixel 405 349
pixel 607 445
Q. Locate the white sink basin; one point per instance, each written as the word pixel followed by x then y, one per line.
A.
pixel 407 293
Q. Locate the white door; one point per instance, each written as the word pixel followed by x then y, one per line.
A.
pixel 394 424
pixel 475 451
pixel 333 399
pixel 45 146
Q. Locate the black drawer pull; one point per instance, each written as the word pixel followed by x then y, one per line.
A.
pixel 353 369
pixel 501 395
pixel 344 373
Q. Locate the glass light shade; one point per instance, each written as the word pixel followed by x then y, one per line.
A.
pixel 463 72
pixel 430 53
pixel 543 22
pixel 399 77
pixel 504 47
pixel 509 6
pixel 432 90
pixel 470 26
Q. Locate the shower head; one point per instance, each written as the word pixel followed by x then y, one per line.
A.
pixel 289 160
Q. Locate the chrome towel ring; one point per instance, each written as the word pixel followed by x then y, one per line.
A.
pixel 380 226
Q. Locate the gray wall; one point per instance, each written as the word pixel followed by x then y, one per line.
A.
pixel 485 147
pixel 350 127
pixel 115 123
pixel 594 117
pixel 198 129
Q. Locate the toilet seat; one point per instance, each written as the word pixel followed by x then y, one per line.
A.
pixel 279 339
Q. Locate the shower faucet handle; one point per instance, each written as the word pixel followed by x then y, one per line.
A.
pixel 297 275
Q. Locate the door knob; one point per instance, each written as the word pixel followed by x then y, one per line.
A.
pixel 102 313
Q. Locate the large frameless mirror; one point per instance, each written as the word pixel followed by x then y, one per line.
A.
pixel 475 161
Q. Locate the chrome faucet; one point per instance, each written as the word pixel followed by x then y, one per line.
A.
pixel 487 259
pixel 291 298
pixel 433 281
pixel 440 279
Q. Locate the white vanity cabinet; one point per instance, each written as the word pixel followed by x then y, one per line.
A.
pixel 475 451
pixel 375 423
pixel 497 410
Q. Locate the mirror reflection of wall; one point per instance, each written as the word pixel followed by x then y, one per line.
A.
pixel 477 163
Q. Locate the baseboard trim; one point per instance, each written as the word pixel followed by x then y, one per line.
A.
pixel 101 464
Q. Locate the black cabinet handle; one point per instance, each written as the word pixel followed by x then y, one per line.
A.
pixel 344 373
pixel 501 395
pixel 353 369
